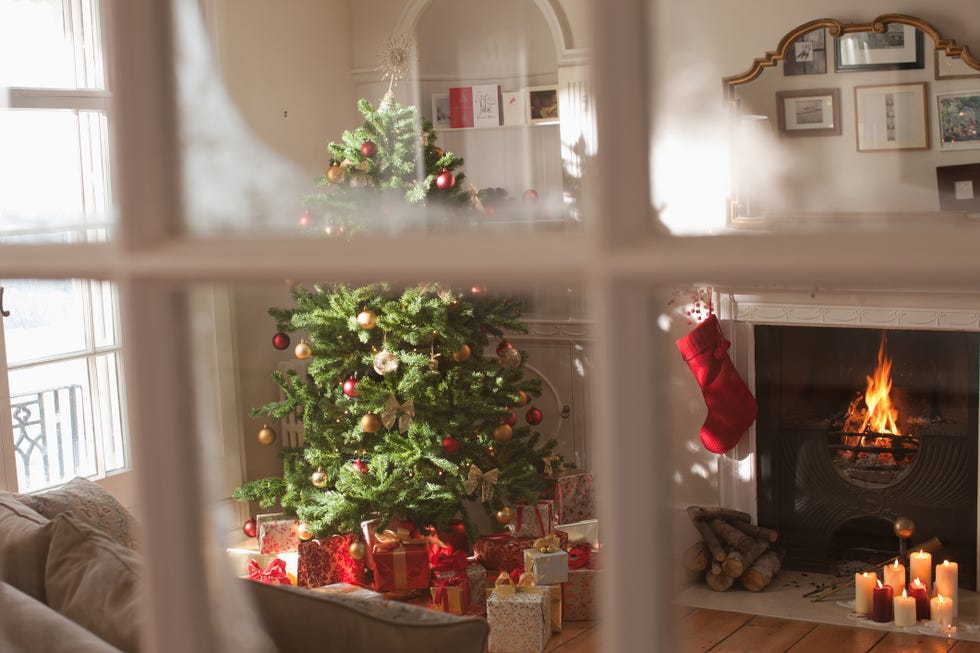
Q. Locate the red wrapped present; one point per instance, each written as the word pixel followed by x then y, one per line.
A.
pixel 277 533
pixel 574 495
pixel 404 567
pixel 506 552
pixel 452 537
pixel 274 574
pixel 579 595
pixel 327 561
pixel 532 520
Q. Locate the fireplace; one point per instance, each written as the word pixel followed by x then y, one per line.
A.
pixel 860 426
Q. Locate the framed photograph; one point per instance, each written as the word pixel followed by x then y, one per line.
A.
pixel 440 110
pixel 807 55
pixel 542 104
pixel 891 117
pixel 953 68
pixel 959 187
pixel 959 120
pixel 809 112
pixel 899 47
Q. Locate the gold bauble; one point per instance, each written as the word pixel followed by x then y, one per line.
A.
pixel 462 355
pixel 304 531
pixel 904 527
pixel 319 478
pixel 439 152
pixel 503 433
pixel 370 423
pixel 266 435
pixel 367 319
pixel 504 515
pixel 335 174
pixel 523 400
pixel 358 550
pixel 303 350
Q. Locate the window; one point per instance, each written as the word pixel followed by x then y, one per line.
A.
pixel 61 355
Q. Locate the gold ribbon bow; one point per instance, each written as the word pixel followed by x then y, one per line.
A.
pixel 527 582
pixel 547 544
pixel 388 539
pixel 504 585
pixel 405 413
pixel 552 464
pixel 475 477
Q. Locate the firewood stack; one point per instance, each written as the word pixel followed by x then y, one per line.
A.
pixel 732 548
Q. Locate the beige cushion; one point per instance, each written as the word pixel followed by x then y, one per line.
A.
pixel 91 504
pixel 93 581
pixel 24 538
pixel 29 626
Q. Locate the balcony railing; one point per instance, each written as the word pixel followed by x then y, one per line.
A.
pixel 49 437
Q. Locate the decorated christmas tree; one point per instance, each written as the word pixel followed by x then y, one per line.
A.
pixel 404 412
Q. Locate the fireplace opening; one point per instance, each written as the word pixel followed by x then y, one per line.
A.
pixel 858 427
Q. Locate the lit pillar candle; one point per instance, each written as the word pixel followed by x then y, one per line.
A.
pixel 920 566
pixel 881 603
pixel 904 610
pixel 895 576
pixel 918 591
pixel 947 582
pixel 864 585
pixel 941 609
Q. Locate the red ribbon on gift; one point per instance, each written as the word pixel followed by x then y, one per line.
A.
pixel 448 560
pixel 442 585
pixel 579 556
pixel 274 574
pixel 537 513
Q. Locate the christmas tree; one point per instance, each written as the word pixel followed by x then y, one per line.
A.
pixel 403 413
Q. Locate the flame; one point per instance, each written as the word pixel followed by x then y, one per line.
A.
pixel 881 414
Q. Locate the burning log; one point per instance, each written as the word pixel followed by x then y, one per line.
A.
pixel 762 571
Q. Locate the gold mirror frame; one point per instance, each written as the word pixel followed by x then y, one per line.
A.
pixel 835 28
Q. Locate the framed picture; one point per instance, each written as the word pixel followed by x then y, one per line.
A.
pixel 953 67
pixel 440 110
pixel 959 120
pixel 809 112
pixel 542 104
pixel 959 187
pixel 899 47
pixel 891 117
pixel 807 55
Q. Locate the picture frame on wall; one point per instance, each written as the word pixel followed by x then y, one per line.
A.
pixel 899 47
pixel 542 104
pixel 807 55
pixel 440 111
pixel 959 120
pixel 891 117
pixel 959 188
pixel 809 112
pixel 948 67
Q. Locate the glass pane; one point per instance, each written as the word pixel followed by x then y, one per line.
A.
pixel 104 313
pixel 108 413
pixel 47 319
pixel 510 97
pixel 35 50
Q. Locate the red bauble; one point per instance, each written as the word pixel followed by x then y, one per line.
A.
pixel 511 418
pixel 350 386
pixel 530 194
pixel 533 416
pixel 304 220
pixel 250 528
pixel 369 149
pixel 445 181
pixel 280 340
pixel 502 345
pixel 360 466
pixel 450 445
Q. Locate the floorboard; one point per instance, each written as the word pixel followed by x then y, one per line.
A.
pixel 764 635
pixel 839 639
pixel 903 643
pixel 702 629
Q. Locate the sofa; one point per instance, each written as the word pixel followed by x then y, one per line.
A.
pixel 70 581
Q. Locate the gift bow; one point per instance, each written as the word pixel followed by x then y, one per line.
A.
pixel 389 540
pixel 551 463
pixel 475 477
pixel 404 413
pixel 547 544
pixel 442 585
pixel 527 582
pixel 504 585
pixel 446 561
pixel 579 556
pixel 274 574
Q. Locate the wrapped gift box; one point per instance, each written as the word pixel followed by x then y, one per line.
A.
pixel 478 582
pixel 573 492
pixel 239 557
pixel 547 568
pixel 404 567
pixel 555 608
pixel 506 552
pixel 582 532
pixel 326 561
pixel 449 598
pixel 349 590
pixel 277 533
pixel 520 622
pixel 532 520
pixel 579 595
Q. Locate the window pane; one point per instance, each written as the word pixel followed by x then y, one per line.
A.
pixel 47 319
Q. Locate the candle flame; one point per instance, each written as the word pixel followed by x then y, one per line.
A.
pixel 921 554
pixel 904 594
pixel 945 563
pixel 941 599
pixel 879 584
pixel 917 582
pixel 896 563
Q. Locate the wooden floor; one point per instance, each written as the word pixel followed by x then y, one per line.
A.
pixel 701 630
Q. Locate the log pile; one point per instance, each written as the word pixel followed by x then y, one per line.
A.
pixel 732 548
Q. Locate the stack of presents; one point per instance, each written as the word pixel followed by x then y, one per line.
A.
pixel 542 571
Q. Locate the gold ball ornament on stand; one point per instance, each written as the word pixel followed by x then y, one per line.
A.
pixel 503 433
pixel 367 319
pixel 304 531
pixel 504 515
pixel 319 478
pixel 358 550
pixel 904 527
pixel 266 435
pixel 462 355
pixel 303 350
pixel 370 423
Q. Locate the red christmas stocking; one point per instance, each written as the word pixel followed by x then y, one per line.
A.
pixel 731 406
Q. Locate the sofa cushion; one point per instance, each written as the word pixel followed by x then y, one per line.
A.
pixel 24 539
pixel 94 581
pixel 294 617
pixel 30 626
pixel 91 504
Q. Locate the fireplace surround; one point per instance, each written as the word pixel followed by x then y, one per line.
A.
pixel 834 496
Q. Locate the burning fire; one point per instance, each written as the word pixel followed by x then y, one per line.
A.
pixel 881 415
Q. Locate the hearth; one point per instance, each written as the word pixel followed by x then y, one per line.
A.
pixel 858 427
